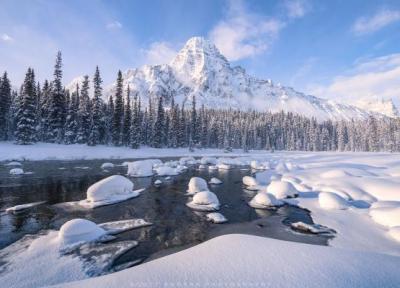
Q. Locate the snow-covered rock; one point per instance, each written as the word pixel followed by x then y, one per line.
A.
pixel 23 207
pixel 202 166
pixel 311 228
pixel 208 160
pixel 216 218
pixel 142 168
pixel 387 216
pixel 108 191
pixel 107 165
pixel 282 189
pixel 197 184
pixel 223 166
pixel 167 171
pixel 250 183
pixel 116 227
pixel 187 161
pixel 332 201
pixel 158 182
pixel 264 201
pixel 16 171
pixel 212 167
pixel 78 231
pixel 215 181
pixel 13 163
pixel 204 201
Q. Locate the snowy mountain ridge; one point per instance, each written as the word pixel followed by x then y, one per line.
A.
pixel 200 70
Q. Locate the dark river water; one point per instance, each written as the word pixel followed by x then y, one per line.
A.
pixel 175 226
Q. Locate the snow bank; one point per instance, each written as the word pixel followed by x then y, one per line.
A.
pixel 215 181
pixel 242 259
pixel 264 201
pixel 78 231
pixel 335 173
pixel 22 207
pixel 16 171
pixel 387 216
pixel 197 184
pixel 282 189
pixel 328 200
pixel 216 218
pixel 107 165
pixel 204 201
pixel 281 168
pixel 385 204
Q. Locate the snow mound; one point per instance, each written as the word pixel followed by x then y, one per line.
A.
pixel 16 171
pixel 215 181
pixel 264 201
pixel 386 216
pixel 208 160
pixel 216 218
pixel 282 189
pixel 158 182
pixel 395 233
pixel 107 165
pixel 250 183
pixel 335 173
pixel 78 231
pixel 22 207
pixel 265 177
pixel 197 184
pixel 332 201
pixel 142 168
pixel 204 201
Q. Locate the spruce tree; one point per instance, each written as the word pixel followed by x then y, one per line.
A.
pixel 135 134
pixel 127 118
pixel 118 111
pixel 158 131
pixel 71 123
pixel 57 108
pixel 5 104
pixel 25 120
pixel 94 136
pixel 84 112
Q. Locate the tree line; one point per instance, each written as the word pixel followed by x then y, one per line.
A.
pixel 50 113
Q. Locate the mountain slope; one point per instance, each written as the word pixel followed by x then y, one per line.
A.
pixel 200 70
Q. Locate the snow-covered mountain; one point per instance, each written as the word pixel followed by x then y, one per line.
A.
pixel 385 107
pixel 200 70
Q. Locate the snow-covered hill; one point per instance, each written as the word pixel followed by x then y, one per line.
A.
pixel 200 70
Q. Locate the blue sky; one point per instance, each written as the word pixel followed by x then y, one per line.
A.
pixel 331 48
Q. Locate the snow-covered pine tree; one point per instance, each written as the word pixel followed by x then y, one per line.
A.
pixel 135 135
pixel 71 123
pixel 5 104
pixel 84 112
pixel 25 120
pixel 94 136
pixel 110 119
pixel 118 112
pixel 193 122
pixel 159 125
pixel 57 109
pixel 126 128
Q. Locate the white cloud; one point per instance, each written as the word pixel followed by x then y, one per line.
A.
pixel 243 34
pixel 114 25
pixel 374 78
pixel 296 8
pixel 7 38
pixel 159 53
pixel 369 24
